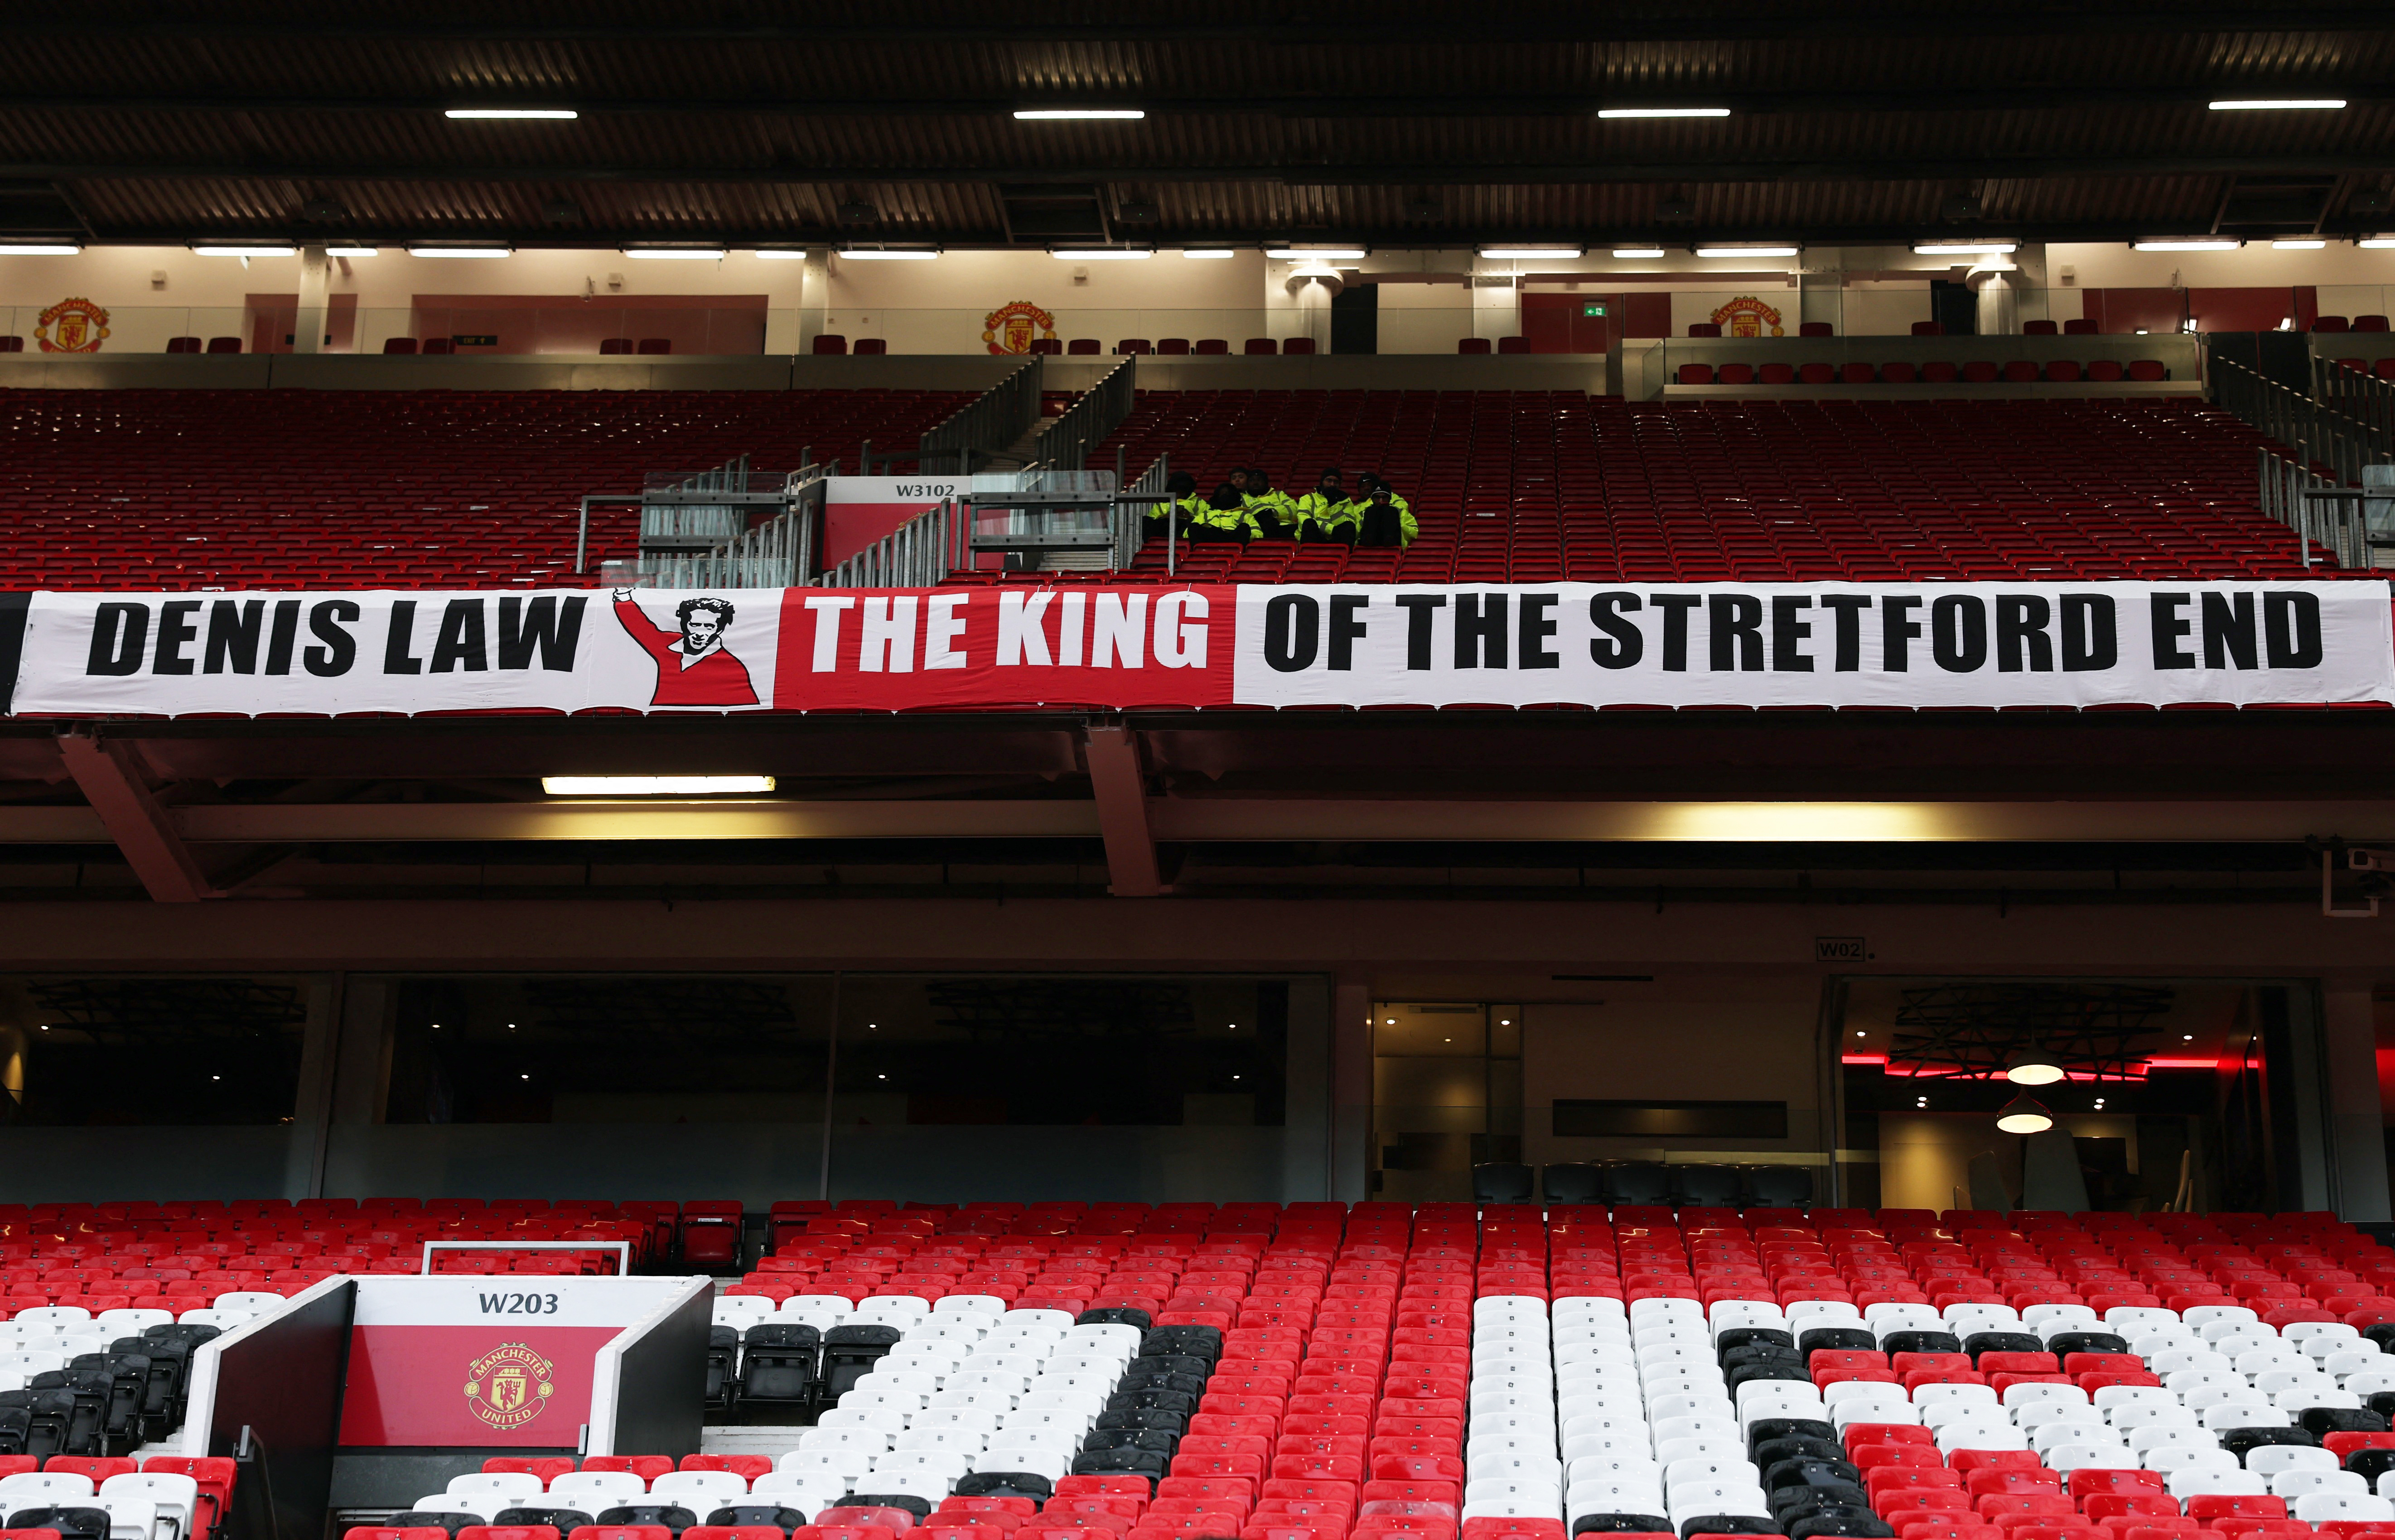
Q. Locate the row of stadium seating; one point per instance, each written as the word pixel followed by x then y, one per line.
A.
pixel 192 489
pixel 2061 371
pixel 85 1497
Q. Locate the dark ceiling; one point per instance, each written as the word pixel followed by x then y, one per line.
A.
pixel 1397 121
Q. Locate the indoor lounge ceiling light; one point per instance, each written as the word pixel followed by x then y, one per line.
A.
pixel 675 254
pixel 1662 112
pixel 783 254
pixel 1210 254
pixel 1718 252
pixel 251 248
pixel 1963 248
pixel 879 254
pixel 351 248
pixel 655 786
pixel 1531 254
pixel 1100 254
pixel 2185 242
pixel 2024 1114
pixel 2309 245
pixel 525 114
pixel 1078 114
pixel 39 248
pixel 460 251
pixel 1305 253
pixel 1638 254
pixel 2032 1067
pixel 2376 243
pixel 2280 104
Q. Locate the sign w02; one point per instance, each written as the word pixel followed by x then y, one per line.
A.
pixel 1839 949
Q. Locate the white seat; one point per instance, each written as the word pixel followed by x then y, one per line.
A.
pixel 256 1301
pixel 2098 1456
pixel 2196 1482
pixel 503 1483
pixel 615 1487
pixel 223 1321
pixel 2027 1395
pixel 2306 1331
pixel 718 1486
pixel 32 1362
pixel 2323 1507
pixel 486 1506
pixel 884 1419
pixel 972 1304
pixel 174 1498
pixel 2292 1484
pixel 912 1481
pixel 2244 1413
pixel 833 1465
pixel 43 1489
pixel 2370 1382
pixel 131 1517
pixel 59 1317
pixel 128 1322
pixel 807 1492
pixel 1031 1458
pixel 2303 1398
pixel 2054 1435
pixel 2353 1359
pixel 741 1309
pixel 1872 1411
pixel 2187 1456
pixel 1933 1395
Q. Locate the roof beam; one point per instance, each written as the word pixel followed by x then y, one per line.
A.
pixel 113 781
pixel 1119 783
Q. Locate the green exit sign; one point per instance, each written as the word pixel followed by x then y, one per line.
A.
pixel 1592 308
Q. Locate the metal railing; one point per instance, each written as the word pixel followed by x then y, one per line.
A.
pixel 1100 409
pixel 779 553
pixel 920 553
pixel 2288 495
pixel 985 424
pixel 1130 507
pixel 2315 433
pixel 2359 395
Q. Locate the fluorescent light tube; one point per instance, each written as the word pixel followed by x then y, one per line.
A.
pixel 1531 254
pixel 39 248
pixel 1297 254
pixel 655 786
pixel 2187 242
pixel 2282 104
pixel 460 251
pixel 1746 251
pixel 1662 112
pixel 1210 254
pixel 1638 254
pixel 2299 245
pixel 1964 248
pixel 1101 254
pixel 1078 114
pixel 674 254
pixel 258 250
pixel 879 254
pixel 542 115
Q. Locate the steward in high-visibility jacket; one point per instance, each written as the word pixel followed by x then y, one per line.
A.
pixel 1386 520
pixel 1222 517
pixel 1275 515
pixel 1326 514
pixel 1182 487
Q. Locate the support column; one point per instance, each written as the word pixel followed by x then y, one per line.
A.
pixel 308 330
pixel 1119 783
pixel 814 297
pixel 303 1172
pixel 1313 286
pixel 1351 1089
pixel 113 780
pixel 361 1078
pixel 2356 1121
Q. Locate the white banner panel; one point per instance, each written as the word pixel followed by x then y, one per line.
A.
pixel 1908 645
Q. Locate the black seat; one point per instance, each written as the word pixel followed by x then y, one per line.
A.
pixel 1204 1342
pixel 1115 1315
pixel 12 1430
pixel 1011 1483
pixel 1142 1418
pixel 1572 1183
pixel 2001 1342
pixel 128 1376
pixel 1163 1440
pixel 436 1518
pixel 1728 1523
pixel 2085 1342
pixel 159 1381
pixel 71 1523
pixel 760 1515
pixel 1622 1523
pixel 1502 1182
pixel 92 1389
pixel 1646 1183
pixel 849 1354
pixel 722 1354
pixel 1706 1186
pixel 1921 1342
pixel 53 1413
pixel 781 1361
pixel 2242 1442
pixel 1180 1402
pixel 1780 1186
pixel 1837 1339
pixel 672 1515
pixel 1120 1461
pixel 905 1502
pixel 2324 1420
pixel 557 1516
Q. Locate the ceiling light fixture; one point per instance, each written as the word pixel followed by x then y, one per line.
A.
pixel 1100 254
pixel 461 251
pixel 40 248
pixel 1964 248
pixel 2376 243
pixel 2282 104
pixel 1210 254
pixel 1078 114
pixel 2032 1067
pixel 1662 112
pixel 1532 254
pixel 1718 252
pixel 1638 254
pixel 2314 245
pixel 514 114
pixel 783 254
pixel 880 253
pixel 263 248
pixel 352 251
pixel 2023 1114
pixel 655 786
pixel 675 254
pixel 2185 243
pixel 1300 254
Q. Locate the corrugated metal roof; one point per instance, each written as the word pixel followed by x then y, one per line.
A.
pixel 1392 119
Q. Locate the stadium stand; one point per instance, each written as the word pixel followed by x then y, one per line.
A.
pixel 1534 486
pixel 188 489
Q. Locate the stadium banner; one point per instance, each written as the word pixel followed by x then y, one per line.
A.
pixel 1153 644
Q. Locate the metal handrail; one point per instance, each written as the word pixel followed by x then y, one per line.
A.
pixel 987 424
pixel 920 553
pixel 779 553
pixel 2360 395
pixel 2289 495
pixel 2314 432
pixel 1098 412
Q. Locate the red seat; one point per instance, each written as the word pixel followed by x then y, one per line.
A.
pixel 1256 346
pixel 2062 370
pixel 1136 346
pixel 1696 374
pixel 1736 374
pixel 1209 346
pixel 863 345
pixel 2039 328
pixel 1928 328
pixel 2384 368
pixel 1901 371
pixel 1046 345
pixel 1704 328
pixel 192 345
pixel 832 342
pixel 1815 374
pixel 390 345
pixel 1980 372
pixel 224 345
pixel 1472 345
pixel 1858 373
pixel 1778 373
pixel 1172 346
pixel 2329 323
pixel 2083 326
pixel 2020 371
pixel 1815 328
pixel 1513 345
pixel 1297 345
pixel 2370 324
pixel 609 345
pixel 1081 346
pixel 2104 369
pixel 2147 369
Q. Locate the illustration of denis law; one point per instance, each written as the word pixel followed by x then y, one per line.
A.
pixel 693 665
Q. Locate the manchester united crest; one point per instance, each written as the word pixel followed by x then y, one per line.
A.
pixel 1013 328
pixel 71 327
pixel 510 1385
pixel 1746 316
